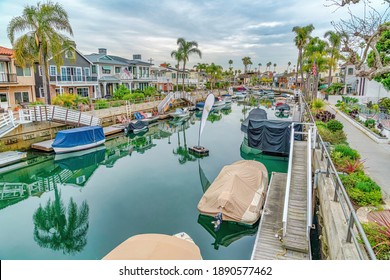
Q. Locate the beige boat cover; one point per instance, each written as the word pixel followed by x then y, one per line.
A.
pixel 155 247
pixel 238 192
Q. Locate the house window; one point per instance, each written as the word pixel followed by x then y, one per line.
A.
pixel 106 69
pixel 173 75
pixel 83 91
pixel 117 70
pixel 53 70
pixel 39 70
pixel 87 72
pixel 70 54
pixel 350 71
pixel 21 97
pixel 94 69
pixel 40 93
pixel 59 91
pixel 23 71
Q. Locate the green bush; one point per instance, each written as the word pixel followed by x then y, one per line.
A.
pixel 370 123
pixel 363 198
pixel 101 104
pixel 347 151
pixel 317 105
pixel 120 92
pixel 337 137
pixel 378 240
pixel 334 125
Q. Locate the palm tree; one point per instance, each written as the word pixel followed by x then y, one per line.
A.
pixel 186 49
pixel 246 61
pixel 55 230
pixel 259 67
pixel 335 44
pixel 301 39
pixel 215 72
pixel 288 65
pixel 315 55
pixel 179 57
pixel 275 67
pixel 230 64
pixel 269 65
pixel 42 25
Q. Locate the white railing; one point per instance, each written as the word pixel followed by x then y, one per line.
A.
pixel 73 79
pixel 288 183
pixel 309 217
pixel 7 122
pixel 164 102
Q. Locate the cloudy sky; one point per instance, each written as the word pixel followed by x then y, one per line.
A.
pixel 224 29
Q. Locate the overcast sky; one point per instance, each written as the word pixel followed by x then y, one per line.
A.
pixel 224 29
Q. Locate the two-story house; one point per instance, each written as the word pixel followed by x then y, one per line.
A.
pixel 74 76
pixel 17 84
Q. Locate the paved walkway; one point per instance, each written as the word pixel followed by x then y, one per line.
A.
pixel 376 156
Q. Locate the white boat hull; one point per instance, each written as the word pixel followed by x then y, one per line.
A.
pixel 59 150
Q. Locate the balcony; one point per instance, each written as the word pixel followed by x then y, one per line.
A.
pixel 6 78
pixel 73 80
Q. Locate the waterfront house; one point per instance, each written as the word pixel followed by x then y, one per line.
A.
pixel 17 84
pixel 75 76
pixel 165 75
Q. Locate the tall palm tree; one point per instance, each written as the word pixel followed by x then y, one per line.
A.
pixel 335 44
pixel 178 56
pixel 301 39
pixel 42 25
pixel 275 67
pixel 230 64
pixel 288 65
pixel 269 65
pixel 259 67
pixel 186 49
pixel 246 61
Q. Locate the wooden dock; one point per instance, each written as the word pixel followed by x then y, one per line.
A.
pixel 45 146
pixel 269 241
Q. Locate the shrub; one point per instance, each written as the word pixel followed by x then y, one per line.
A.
pixel 120 92
pixel 101 104
pixel 337 137
pixel 370 123
pixel 35 103
pixel 363 198
pixel 334 125
pixel 347 151
pixel 324 116
pixel 378 240
pixel 317 105
pixel 350 165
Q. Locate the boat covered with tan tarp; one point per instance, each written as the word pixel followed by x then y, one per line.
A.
pixel 156 247
pixel 238 192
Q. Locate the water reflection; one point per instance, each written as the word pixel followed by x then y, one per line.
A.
pixel 228 231
pixel 61 230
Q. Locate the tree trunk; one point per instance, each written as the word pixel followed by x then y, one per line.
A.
pixel 302 80
pixel 184 68
pixel 45 78
pixel 330 72
pixel 296 74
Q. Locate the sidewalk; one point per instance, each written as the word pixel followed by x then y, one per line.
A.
pixel 376 156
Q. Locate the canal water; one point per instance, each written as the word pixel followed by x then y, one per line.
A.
pixel 81 207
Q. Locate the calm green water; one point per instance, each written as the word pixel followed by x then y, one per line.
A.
pixel 82 207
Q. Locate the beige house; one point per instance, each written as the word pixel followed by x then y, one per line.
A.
pixel 17 84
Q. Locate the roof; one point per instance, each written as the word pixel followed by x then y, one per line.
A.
pixel 130 61
pixel 6 51
pixel 108 78
pixel 104 59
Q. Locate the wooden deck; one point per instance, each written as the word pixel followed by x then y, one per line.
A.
pixel 295 237
pixel 46 145
pixel 269 244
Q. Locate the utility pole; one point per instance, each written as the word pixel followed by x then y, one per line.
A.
pixel 150 60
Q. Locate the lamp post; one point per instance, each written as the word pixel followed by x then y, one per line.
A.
pixel 357 86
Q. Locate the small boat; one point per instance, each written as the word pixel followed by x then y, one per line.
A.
pixel 282 110
pixel 156 247
pixel 11 157
pixel 180 113
pixel 136 127
pixel 77 139
pixel 240 95
pixel 218 102
pixel 227 98
pixel 237 194
pixel 255 114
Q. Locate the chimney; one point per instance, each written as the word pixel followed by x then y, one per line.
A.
pixel 136 56
pixel 102 51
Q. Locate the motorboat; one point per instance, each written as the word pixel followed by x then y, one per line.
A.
pixel 282 110
pixel 156 247
pixel 77 139
pixel 180 113
pixel 136 127
pixel 218 102
pixel 254 114
pixel 227 98
pixel 237 194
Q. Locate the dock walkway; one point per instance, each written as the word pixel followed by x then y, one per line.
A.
pixel 269 240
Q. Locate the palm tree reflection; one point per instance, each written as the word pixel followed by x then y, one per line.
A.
pixel 58 230
pixel 182 151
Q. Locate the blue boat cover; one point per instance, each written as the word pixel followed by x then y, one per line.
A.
pixel 78 136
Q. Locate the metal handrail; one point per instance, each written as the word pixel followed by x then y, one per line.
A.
pixel 164 102
pixel 288 183
pixel 341 196
pixel 309 217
